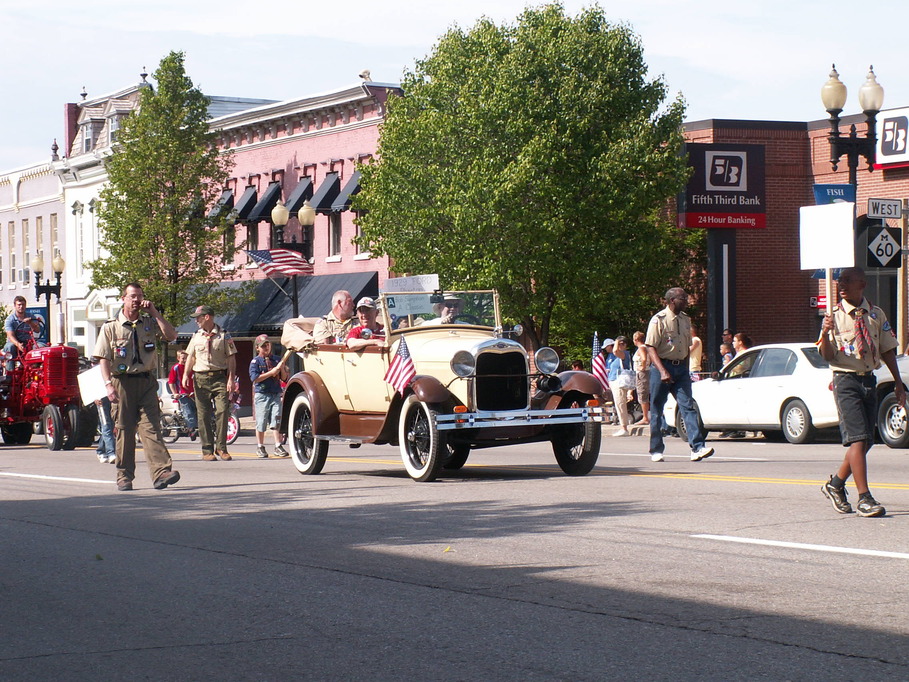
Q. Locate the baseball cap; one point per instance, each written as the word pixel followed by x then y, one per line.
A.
pixel 262 339
pixel 202 310
pixel 365 302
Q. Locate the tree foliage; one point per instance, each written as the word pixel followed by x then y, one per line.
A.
pixel 538 159
pixel 165 172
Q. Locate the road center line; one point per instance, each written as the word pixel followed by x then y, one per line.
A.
pixel 55 478
pixel 802 545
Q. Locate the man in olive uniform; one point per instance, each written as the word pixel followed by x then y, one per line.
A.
pixel 668 341
pixel 854 340
pixel 211 361
pixel 333 328
pixel 128 359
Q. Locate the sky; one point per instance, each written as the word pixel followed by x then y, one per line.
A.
pixel 758 60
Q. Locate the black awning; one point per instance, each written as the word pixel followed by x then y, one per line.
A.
pixel 222 205
pixel 301 193
pixel 326 194
pixel 270 307
pixel 342 202
pixel 245 206
pixel 262 210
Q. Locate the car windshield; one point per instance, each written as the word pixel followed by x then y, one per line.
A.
pixel 406 310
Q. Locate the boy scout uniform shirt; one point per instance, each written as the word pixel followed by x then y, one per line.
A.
pixel 669 334
pixel 842 337
pixel 127 352
pixel 222 347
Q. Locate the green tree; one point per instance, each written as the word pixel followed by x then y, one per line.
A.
pixel 165 171
pixel 536 158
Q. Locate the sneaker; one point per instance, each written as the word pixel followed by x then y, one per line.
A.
pixel 102 459
pixel 166 479
pixel 281 452
pixel 194 434
pixel 656 456
pixel 261 452
pixel 868 506
pixel 621 432
pixel 124 485
pixel 112 459
pixel 702 452
pixel 837 497
pixel 225 456
pixel 209 456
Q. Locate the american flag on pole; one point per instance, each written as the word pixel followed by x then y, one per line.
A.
pixel 401 370
pixel 281 262
pixel 598 363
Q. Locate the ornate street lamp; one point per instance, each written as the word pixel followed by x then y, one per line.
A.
pixel 871 99
pixel 47 289
pixel 279 217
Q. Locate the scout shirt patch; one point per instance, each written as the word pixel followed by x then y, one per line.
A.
pixel 230 345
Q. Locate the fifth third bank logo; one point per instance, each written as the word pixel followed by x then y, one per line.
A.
pixel 727 171
pixel 893 141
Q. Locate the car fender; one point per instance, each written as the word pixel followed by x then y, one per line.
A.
pixel 430 390
pixel 325 420
pixel 582 382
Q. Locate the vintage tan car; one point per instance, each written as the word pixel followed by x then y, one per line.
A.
pixel 473 387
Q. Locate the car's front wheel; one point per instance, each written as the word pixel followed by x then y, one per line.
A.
pixel 419 440
pixel 796 422
pixel 457 455
pixel 892 423
pixel 307 452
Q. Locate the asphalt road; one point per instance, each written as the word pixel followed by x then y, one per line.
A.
pixel 733 568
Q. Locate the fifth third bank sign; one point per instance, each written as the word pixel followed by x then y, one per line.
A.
pixel 726 187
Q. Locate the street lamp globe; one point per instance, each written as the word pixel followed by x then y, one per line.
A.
pixel 37 265
pixel 871 94
pixel 58 265
pixel 307 214
pixel 279 214
pixel 833 93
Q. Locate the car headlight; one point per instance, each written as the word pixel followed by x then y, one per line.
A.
pixel 463 363
pixel 547 360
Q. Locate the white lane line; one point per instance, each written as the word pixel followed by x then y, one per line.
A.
pixel 714 457
pixel 802 545
pixel 56 478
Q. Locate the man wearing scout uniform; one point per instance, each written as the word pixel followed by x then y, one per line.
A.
pixel 854 340
pixel 668 340
pixel 212 363
pixel 128 359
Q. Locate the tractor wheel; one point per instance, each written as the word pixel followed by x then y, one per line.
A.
pixel 52 421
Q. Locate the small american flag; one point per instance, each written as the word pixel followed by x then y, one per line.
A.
pixel 598 363
pixel 401 370
pixel 281 262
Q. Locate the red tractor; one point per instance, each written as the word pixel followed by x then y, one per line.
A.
pixel 41 386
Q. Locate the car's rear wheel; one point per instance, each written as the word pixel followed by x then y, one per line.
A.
pixel 307 452
pixel 52 423
pixel 457 456
pixel 796 421
pixel 892 423
pixel 419 441
pixel 680 422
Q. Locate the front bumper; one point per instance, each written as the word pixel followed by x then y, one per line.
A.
pixel 483 420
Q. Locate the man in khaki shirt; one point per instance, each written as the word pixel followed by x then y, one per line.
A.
pixel 333 328
pixel 212 362
pixel 854 340
pixel 128 359
pixel 668 340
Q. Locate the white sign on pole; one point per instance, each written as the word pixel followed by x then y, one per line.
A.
pixel 826 238
pixel 885 208
pixel 414 283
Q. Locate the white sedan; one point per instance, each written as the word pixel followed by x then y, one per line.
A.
pixel 780 389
